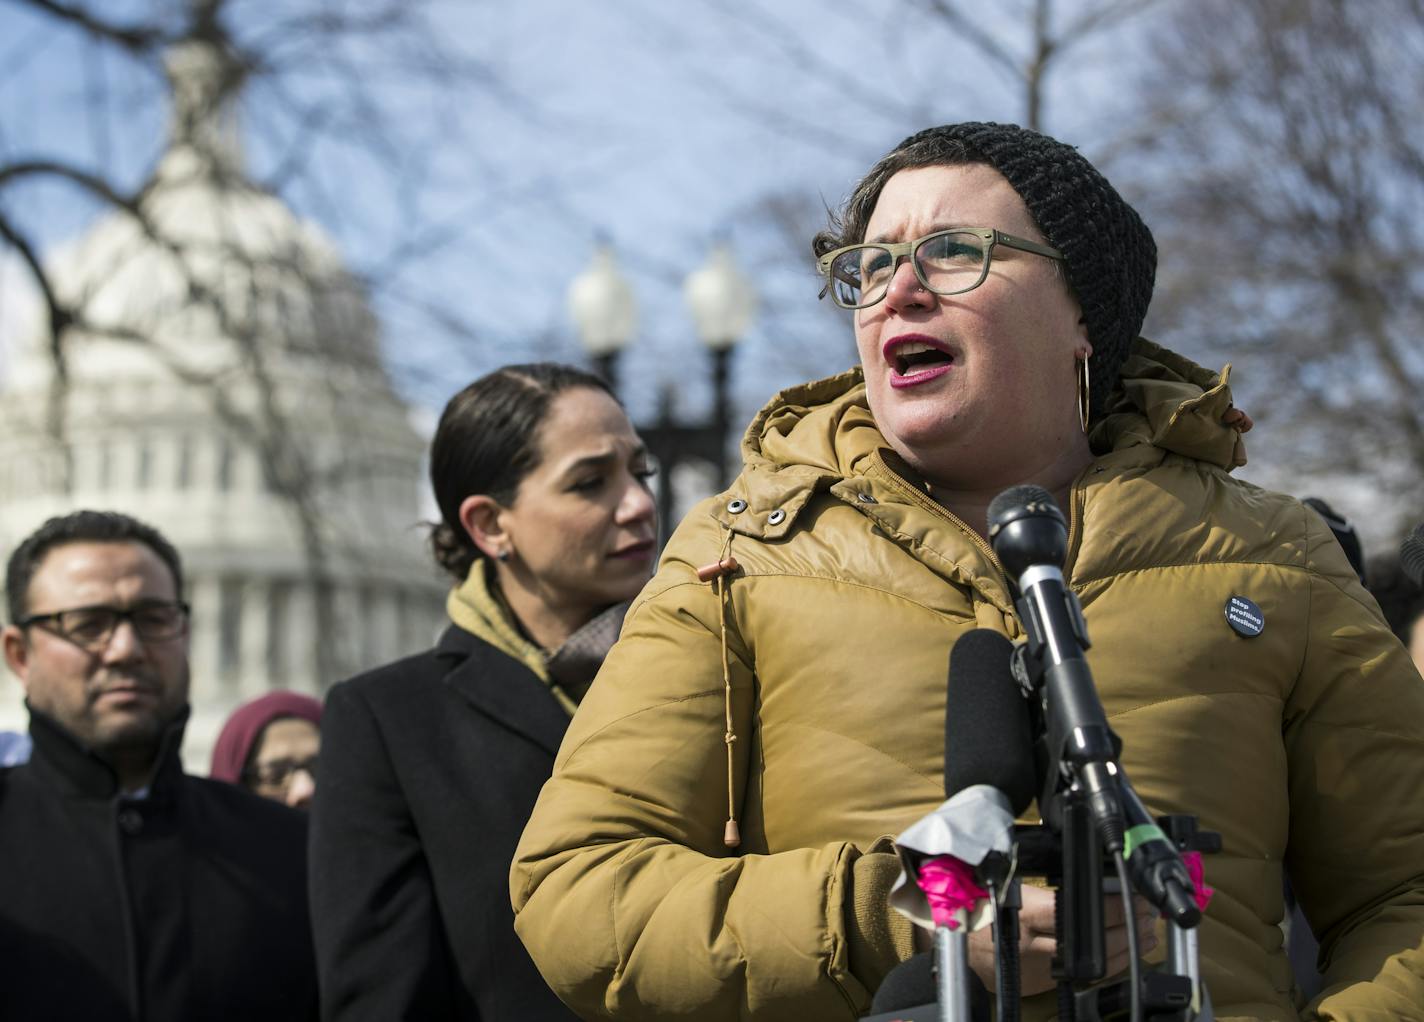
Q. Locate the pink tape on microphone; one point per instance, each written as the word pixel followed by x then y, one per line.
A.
pixel 949 888
pixel 1203 893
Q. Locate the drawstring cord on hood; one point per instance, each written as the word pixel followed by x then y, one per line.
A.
pixel 725 565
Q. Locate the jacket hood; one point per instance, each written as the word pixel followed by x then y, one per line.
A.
pixel 809 436
pixel 1169 402
pixel 243 730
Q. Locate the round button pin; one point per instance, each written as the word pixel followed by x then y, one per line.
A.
pixel 1244 617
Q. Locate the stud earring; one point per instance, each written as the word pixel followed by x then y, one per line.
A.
pixel 502 556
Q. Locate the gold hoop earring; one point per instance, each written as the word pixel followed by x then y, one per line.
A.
pixel 1085 408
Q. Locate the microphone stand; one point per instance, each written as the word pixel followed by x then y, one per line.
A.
pixel 1007 984
pixel 1000 877
pixel 1067 850
pixel 951 960
pixel 1175 992
pixel 1183 952
pixel 1084 792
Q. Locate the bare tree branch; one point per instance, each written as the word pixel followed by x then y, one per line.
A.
pixel 1295 206
pixel 266 333
pixel 136 38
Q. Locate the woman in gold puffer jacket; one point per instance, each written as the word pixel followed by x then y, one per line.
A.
pixel 802 692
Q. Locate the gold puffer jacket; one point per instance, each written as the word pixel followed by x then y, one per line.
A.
pixel 1303 746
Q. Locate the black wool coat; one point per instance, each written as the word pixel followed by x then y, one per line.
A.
pixel 188 904
pixel 429 769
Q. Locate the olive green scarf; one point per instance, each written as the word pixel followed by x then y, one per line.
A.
pixel 479 608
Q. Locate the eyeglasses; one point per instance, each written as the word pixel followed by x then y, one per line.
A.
pixel 93 627
pixel 278 773
pixel 947 262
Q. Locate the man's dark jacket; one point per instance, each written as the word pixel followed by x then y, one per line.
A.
pixel 189 904
pixel 429 769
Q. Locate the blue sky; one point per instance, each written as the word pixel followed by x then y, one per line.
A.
pixel 663 127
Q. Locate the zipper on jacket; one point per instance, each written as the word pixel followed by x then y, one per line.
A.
pixel 933 506
pixel 925 501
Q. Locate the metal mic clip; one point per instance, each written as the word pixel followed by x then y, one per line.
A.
pixel 1026 669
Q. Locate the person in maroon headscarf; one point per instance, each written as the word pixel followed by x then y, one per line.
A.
pixel 270 746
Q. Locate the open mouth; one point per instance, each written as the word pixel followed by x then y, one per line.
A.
pixel 916 358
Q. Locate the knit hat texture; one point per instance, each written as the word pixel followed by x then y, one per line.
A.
pixel 1108 252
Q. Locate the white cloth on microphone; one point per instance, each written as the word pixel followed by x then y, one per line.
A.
pixel 974 822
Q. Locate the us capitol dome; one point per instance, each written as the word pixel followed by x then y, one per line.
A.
pixel 226 386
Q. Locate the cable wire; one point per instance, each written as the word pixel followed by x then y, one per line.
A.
pixel 1134 963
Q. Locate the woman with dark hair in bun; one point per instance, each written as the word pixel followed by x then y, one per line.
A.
pixel 431 765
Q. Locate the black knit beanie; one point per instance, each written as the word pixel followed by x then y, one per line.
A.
pixel 1108 252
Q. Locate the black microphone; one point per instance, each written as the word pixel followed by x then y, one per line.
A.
pixel 987 744
pixel 987 735
pixel 1411 556
pixel 1030 538
pixel 988 740
pixel 984 713
pixel 1154 862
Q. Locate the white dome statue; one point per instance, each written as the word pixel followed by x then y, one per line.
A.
pixel 223 382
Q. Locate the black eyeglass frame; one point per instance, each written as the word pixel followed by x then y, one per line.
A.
pixel 53 622
pixel 898 250
pixel 253 776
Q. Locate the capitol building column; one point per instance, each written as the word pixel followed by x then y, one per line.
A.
pixel 385 626
pixel 301 626
pixel 206 600
pixel 252 671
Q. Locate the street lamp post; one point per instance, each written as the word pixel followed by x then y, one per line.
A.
pixel 722 302
pixel 602 306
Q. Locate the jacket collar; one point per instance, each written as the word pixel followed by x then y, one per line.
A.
pixel 816 435
pixel 820 436
pixel 501 688
pixel 62 762
pixel 478 606
pixel 807 439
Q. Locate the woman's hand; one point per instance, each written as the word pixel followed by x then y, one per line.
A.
pixel 1037 942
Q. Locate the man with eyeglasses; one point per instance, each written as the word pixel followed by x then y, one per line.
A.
pixel 132 890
